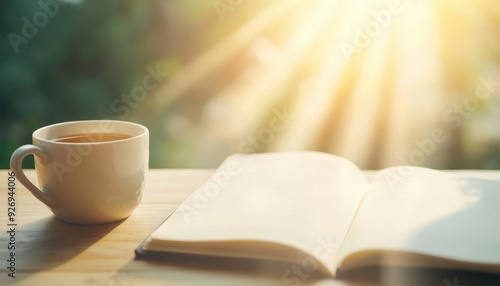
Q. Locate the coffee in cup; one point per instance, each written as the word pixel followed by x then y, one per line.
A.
pixel 89 172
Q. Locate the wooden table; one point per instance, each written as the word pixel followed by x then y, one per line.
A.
pixel 51 252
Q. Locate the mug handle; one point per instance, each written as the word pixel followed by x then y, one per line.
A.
pixel 16 165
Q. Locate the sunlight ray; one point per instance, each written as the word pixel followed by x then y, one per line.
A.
pixel 316 96
pixel 371 105
pixel 418 104
pixel 355 137
pixel 199 68
pixel 252 101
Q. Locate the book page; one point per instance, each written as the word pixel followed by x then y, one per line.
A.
pixel 302 200
pixel 426 212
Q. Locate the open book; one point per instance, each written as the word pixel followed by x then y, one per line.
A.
pixel 318 209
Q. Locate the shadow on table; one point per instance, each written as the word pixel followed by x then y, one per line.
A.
pixel 48 242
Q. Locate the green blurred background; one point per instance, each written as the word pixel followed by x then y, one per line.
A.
pixel 86 56
pixel 231 63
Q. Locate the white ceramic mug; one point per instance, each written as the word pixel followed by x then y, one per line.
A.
pixel 90 182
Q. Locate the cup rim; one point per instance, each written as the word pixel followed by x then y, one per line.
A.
pixel 35 135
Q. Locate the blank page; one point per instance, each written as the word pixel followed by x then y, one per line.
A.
pixel 429 212
pixel 301 199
